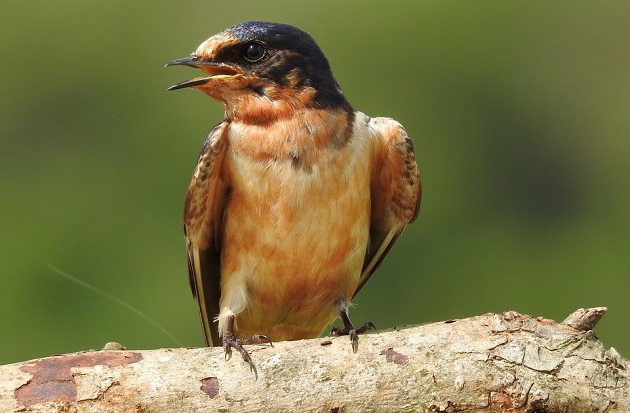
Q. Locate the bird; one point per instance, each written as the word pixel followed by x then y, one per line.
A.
pixel 296 196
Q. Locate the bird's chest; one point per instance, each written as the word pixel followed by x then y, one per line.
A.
pixel 294 172
pixel 299 191
pixel 296 207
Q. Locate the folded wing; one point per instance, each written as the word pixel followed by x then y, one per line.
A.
pixel 395 191
pixel 203 221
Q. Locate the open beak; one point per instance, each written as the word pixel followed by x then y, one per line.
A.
pixel 214 69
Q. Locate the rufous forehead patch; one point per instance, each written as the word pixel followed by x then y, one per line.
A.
pixel 210 47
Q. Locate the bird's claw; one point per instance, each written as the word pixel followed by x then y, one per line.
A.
pixel 230 342
pixel 353 333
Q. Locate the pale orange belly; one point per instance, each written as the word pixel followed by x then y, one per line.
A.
pixel 291 253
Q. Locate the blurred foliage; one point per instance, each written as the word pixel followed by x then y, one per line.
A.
pixel 518 112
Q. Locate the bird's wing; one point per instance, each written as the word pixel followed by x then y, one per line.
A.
pixel 203 220
pixel 395 191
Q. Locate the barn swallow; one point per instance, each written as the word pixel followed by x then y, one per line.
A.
pixel 296 196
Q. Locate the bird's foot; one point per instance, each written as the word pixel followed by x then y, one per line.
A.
pixel 230 342
pixel 349 330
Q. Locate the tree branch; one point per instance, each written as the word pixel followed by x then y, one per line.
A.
pixel 494 362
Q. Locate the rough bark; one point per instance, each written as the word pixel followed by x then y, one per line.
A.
pixel 491 363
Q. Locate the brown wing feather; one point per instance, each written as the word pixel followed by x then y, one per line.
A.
pixel 203 216
pixel 395 191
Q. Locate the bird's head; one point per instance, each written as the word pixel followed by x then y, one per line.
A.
pixel 263 67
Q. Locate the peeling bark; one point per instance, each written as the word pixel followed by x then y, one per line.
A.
pixel 492 363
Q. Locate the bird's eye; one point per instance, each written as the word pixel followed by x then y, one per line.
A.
pixel 254 52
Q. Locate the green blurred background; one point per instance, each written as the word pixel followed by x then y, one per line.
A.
pixel 519 111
